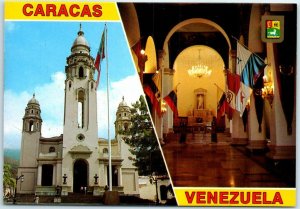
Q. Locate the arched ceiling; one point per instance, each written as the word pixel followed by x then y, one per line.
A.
pixel 157 19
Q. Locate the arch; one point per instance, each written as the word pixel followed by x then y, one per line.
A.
pixel 200 21
pixel 31 126
pixel 80 175
pixel 80 108
pixel 189 84
pixel 80 72
pixel 51 149
pixel 150 51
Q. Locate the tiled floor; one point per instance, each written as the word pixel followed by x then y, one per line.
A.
pixel 201 163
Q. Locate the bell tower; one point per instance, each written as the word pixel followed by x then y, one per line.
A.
pixel 123 117
pixel 31 133
pixel 80 136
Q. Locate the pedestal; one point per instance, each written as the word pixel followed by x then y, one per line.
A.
pixel 111 198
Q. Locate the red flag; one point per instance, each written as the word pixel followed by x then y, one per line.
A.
pixel 171 100
pixel 100 56
pixel 150 91
pixel 233 84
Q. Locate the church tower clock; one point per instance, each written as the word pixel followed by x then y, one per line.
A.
pixel 80 136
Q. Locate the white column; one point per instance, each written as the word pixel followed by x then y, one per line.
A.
pixel 54 175
pixel 257 140
pixel 58 174
pixel 39 175
pixel 283 146
pixel 120 176
pixel 239 136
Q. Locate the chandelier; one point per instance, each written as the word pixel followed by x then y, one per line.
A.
pixel 199 70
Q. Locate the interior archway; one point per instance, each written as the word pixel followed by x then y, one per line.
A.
pixel 186 85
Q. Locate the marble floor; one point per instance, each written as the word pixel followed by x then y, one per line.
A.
pixel 200 163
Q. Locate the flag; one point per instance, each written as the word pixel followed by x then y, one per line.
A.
pixel 151 91
pixel 249 66
pixel 100 56
pixel 171 100
pixel 156 78
pixel 233 86
pixel 221 106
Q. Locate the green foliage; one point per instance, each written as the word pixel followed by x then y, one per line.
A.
pixel 142 141
pixel 8 179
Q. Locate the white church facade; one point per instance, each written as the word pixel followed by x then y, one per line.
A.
pixel 77 159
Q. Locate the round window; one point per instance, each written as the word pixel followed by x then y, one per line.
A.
pixel 80 137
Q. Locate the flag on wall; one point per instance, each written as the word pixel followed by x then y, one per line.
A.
pixel 171 100
pixel 233 86
pixel 151 90
pixel 249 66
pixel 100 55
pixel 156 78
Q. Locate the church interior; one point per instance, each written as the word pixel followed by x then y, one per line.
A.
pixel 252 148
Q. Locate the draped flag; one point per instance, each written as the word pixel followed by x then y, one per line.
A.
pixel 156 78
pixel 221 107
pixel 233 86
pixel 151 91
pixel 100 56
pixel 171 100
pixel 249 66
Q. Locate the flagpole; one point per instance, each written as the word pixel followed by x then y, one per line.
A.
pixel 247 48
pixel 108 122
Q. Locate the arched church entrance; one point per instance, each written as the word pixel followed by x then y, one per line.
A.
pixel 80 175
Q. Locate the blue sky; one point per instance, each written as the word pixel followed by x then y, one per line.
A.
pixel 34 62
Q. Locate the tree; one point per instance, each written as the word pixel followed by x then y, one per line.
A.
pixel 143 142
pixel 8 180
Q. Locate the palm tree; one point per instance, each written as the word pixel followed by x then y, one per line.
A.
pixel 8 179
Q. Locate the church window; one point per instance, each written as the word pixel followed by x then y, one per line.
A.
pixel 81 72
pixel 105 150
pixel 92 85
pixel 125 114
pixel 80 137
pixel 52 149
pixel 32 111
pixel 125 126
pixel 70 85
pixel 119 114
pixel 31 125
pixel 80 115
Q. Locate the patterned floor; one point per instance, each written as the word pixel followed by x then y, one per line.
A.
pixel 201 163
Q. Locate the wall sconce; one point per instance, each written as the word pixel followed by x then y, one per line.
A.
pixel 268 90
pixel 163 107
pixel 142 60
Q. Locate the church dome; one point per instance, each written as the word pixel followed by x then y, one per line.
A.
pixel 123 103
pixel 80 44
pixel 33 100
pixel 80 40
